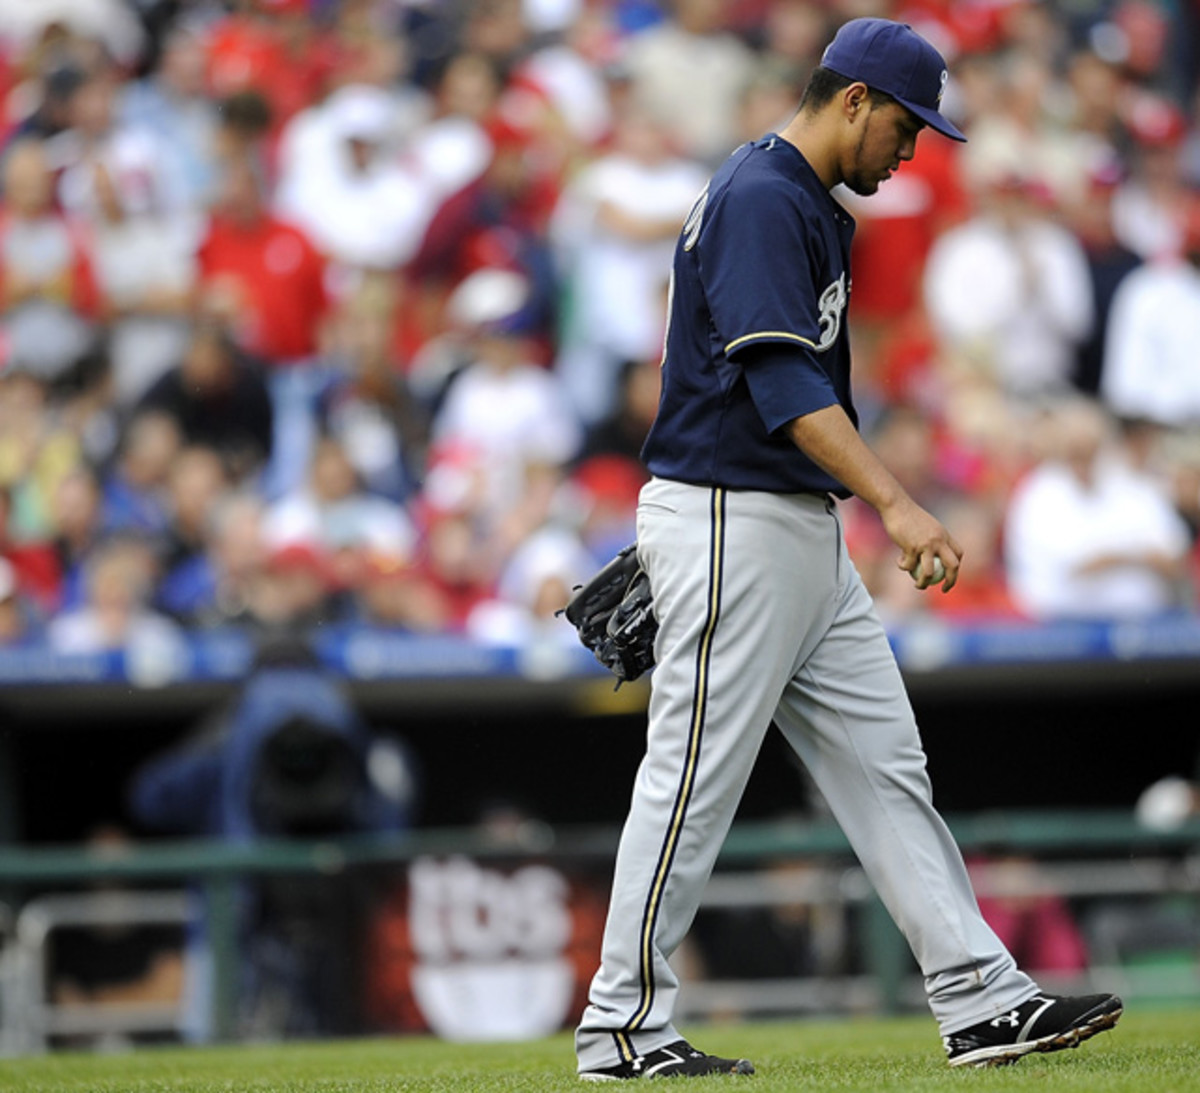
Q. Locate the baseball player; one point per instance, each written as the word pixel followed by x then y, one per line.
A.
pixel 762 617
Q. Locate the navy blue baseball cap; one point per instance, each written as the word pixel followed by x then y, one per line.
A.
pixel 893 58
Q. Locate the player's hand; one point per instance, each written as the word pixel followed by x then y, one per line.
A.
pixel 925 545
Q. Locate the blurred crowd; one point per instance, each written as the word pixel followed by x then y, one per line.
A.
pixel 350 311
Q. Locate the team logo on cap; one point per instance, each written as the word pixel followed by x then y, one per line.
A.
pixel 942 86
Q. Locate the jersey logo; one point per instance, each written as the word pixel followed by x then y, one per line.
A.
pixel 691 226
pixel 830 306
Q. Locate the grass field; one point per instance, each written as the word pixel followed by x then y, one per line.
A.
pixel 1149 1052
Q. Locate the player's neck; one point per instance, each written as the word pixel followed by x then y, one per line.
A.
pixel 814 138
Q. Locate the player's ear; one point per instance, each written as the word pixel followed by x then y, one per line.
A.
pixel 855 99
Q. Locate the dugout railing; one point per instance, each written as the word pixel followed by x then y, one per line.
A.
pixel 32 1017
pixel 1079 854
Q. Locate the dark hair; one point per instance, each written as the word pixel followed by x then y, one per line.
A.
pixel 247 112
pixel 824 84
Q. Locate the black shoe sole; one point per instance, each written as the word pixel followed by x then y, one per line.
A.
pixel 1007 1054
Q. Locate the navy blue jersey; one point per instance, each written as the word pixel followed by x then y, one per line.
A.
pixel 756 334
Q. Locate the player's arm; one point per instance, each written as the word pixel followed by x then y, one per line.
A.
pixel 829 438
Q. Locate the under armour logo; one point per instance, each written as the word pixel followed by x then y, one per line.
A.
pixel 670 1059
pixel 942 86
pixel 1010 1019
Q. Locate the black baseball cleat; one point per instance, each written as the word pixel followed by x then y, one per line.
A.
pixel 677 1060
pixel 1046 1022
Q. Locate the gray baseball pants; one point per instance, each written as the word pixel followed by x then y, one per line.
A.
pixel 763 618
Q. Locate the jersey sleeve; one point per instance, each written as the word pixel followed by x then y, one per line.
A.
pixel 756 261
pixel 784 383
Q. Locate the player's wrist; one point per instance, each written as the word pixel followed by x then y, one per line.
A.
pixel 892 502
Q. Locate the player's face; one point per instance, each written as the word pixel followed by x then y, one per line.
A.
pixel 887 137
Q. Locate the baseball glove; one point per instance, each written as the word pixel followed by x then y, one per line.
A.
pixel 614 614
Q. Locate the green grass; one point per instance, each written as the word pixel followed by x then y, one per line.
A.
pixel 1148 1052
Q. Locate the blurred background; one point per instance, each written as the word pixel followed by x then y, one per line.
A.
pixel 329 335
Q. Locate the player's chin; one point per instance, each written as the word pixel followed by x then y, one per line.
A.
pixel 863 186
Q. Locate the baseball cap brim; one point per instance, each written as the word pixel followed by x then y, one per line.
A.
pixel 933 119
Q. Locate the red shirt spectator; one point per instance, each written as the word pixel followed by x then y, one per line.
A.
pixel 1039 929
pixel 897 227
pixel 958 28
pixel 47 290
pixel 264 272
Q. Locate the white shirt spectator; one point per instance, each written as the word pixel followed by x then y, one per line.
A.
pixel 502 415
pixel 342 180
pixel 115 615
pixel 1143 222
pixel 112 22
pixel 44 332
pixel 137 259
pixel 173 102
pixel 144 170
pixel 692 81
pixel 573 86
pixel 128 183
pixel 1056 526
pixel 509 419
pixel 1152 349
pixel 615 229
pixel 1020 296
